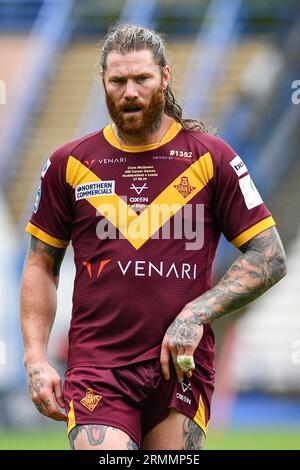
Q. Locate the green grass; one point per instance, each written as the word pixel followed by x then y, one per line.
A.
pixel 42 439
pixel 262 439
pixel 265 439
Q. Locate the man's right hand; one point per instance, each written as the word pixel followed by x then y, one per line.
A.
pixel 45 390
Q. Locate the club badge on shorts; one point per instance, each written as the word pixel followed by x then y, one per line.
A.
pixel 90 401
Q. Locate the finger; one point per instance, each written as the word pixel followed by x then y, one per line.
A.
pixel 179 373
pixel 41 409
pixel 188 350
pixel 53 411
pixel 181 351
pixel 59 416
pixel 164 361
pixel 58 393
pixel 186 362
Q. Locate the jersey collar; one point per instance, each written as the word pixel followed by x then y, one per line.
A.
pixel 169 135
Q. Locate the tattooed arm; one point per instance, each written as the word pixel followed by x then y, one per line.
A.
pixel 261 265
pixel 38 308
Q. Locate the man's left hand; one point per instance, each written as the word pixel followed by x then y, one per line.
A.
pixel 181 339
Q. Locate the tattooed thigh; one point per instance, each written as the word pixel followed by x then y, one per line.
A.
pixel 176 432
pixel 193 436
pixel 98 436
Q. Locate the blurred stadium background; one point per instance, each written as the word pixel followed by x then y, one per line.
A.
pixel 235 63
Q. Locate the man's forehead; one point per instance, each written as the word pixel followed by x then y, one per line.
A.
pixel 134 59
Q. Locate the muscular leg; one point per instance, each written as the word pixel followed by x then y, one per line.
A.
pixel 97 437
pixel 176 432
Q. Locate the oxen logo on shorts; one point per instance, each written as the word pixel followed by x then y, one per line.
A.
pixel 185 386
pixel 90 401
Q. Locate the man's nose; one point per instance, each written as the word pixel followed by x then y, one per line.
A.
pixel 130 90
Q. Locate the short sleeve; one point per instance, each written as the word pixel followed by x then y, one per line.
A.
pixel 51 219
pixel 239 209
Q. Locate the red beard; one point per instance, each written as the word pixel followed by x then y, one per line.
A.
pixel 148 120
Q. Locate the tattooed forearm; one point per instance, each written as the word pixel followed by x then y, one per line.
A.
pixel 55 255
pixel 260 267
pixel 193 435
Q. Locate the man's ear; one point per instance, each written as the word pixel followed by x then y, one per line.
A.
pixel 165 76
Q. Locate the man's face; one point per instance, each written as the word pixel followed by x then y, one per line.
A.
pixel 134 88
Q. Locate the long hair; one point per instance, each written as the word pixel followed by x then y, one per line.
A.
pixel 129 37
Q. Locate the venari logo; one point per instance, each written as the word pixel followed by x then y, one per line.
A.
pixel 141 268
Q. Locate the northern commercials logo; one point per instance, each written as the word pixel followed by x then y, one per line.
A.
pixel 94 189
pixel 90 401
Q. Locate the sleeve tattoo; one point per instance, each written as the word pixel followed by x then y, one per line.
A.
pixel 261 265
pixel 56 255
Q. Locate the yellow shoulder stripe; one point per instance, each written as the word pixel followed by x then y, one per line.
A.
pixel 45 237
pixel 253 231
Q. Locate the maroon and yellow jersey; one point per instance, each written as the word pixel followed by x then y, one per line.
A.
pixel 144 224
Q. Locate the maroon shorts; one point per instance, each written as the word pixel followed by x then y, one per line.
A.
pixel 135 398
